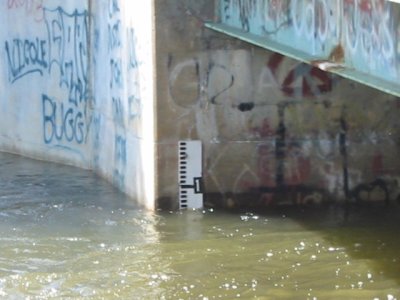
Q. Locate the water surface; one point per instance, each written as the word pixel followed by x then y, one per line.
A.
pixel 65 233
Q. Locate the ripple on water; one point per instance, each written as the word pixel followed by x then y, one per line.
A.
pixel 64 233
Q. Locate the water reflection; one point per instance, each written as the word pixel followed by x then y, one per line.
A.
pixel 278 255
pixel 64 233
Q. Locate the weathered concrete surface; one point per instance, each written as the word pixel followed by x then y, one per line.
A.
pixel 273 129
pixel 77 87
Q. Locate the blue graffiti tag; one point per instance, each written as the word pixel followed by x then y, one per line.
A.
pixel 62 123
pixel 25 57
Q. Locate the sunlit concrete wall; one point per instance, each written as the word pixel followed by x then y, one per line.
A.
pixel 76 83
pixel 123 119
pixel 273 129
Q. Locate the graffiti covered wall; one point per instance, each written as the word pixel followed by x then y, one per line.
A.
pixel 274 130
pixel 45 66
pixel 123 123
pixel 77 87
pixel 74 77
pixel 367 31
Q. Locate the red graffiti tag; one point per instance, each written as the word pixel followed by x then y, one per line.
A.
pixel 314 81
pixel 297 166
pixel 32 7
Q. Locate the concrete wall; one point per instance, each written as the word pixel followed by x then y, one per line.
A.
pixel 272 129
pixel 77 87
pixel 77 82
pixel 123 122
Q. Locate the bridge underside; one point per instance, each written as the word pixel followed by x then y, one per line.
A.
pixel 358 39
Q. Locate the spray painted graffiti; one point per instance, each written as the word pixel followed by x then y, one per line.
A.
pixel 120 160
pixel 64 50
pixel 25 57
pixel 368 29
pixel 193 68
pixel 310 19
pixel 116 43
pixel 278 15
pixel 68 50
pixel 201 76
pixel 281 159
pixel 97 124
pixel 246 8
pixel 116 80
pixel 135 108
pixel 313 81
pixel 62 122
pixel 32 8
pixel 118 112
pixel 214 82
pixel 66 120
pixel 114 38
pixel 113 8
pixel 315 20
pixel 132 42
pixel 133 84
pixel 72 71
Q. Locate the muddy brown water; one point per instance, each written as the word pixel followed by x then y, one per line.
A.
pixel 67 234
